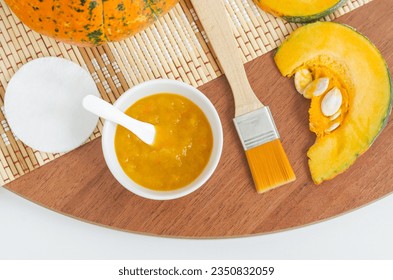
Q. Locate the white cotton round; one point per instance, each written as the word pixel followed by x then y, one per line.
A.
pixel 43 105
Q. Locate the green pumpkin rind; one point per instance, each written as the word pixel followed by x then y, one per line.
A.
pixel 312 18
pixel 304 18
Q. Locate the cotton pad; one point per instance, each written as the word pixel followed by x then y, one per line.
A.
pixel 43 104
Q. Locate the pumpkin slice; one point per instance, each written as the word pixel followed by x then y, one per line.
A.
pixel 357 69
pixel 300 10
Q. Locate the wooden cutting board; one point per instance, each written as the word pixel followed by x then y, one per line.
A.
pixel 80 185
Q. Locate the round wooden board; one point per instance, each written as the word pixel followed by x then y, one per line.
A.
pixel 80 185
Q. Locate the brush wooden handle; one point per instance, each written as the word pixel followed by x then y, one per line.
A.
pixel 218 28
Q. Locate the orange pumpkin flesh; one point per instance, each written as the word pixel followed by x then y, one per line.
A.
pixel 89 22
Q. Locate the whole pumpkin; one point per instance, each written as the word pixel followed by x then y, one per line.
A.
pixel 89 22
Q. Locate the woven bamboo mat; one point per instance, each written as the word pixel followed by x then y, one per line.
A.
pixel 175 47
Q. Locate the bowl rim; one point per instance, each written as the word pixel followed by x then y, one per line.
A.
pixel 136 93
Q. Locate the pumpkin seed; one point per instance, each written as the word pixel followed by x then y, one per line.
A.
pixel 303 78
pixel 331 103
pixel 332 127
pixel 335 116
pixel 316 88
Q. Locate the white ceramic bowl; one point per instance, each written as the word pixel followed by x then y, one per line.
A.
pixel 150 88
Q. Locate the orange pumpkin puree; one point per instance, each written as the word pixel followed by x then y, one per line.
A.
pixel 182 147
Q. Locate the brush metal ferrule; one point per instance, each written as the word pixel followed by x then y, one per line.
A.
pixel 256 128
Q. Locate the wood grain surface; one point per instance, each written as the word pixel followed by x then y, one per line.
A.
pixel 80 185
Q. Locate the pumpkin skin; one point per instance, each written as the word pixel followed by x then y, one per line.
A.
pixel 89 22
pixel 358 69
pixel 300 11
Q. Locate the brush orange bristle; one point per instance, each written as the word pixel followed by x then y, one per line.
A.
pixel 270 167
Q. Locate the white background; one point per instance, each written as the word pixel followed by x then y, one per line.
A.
pixel 29 231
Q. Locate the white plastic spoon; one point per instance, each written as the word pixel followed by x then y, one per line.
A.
pixel 144 131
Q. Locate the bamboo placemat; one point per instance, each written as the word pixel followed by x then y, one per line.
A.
pixel 175 47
